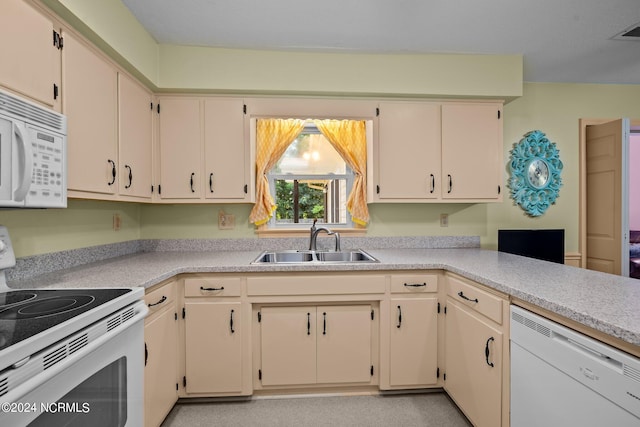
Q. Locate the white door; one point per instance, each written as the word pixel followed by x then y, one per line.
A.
pixel 607 149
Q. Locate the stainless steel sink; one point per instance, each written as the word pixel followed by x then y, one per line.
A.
pixel 303 257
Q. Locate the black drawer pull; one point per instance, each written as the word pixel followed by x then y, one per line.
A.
pixel 211 289
pixel 163 299
pixel 113 172
pixel 433 184
pixel 415 285
pixel 463 296
pixel 324 323
pixel 308 323
pixel 231 323
pixel 399 317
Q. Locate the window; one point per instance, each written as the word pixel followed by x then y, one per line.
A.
pixel 310 180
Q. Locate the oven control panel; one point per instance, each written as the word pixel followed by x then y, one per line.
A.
pixel 7 256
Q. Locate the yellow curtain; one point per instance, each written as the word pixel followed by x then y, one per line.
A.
pixel 273 136
pixel 349 138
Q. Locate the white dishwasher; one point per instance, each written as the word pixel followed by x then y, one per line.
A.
pixel 563 378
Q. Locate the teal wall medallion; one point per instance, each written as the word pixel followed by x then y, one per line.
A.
pixel 535 173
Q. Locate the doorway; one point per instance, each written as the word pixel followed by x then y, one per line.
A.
pixel 604 226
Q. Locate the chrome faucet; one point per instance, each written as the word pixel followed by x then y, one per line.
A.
pixel 313 236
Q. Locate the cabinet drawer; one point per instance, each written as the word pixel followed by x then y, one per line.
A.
pixel 316 285
pixel 414 283
pixel 161 297
pixel 213 287
pixel 479 300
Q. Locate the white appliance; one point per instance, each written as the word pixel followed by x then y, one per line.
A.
pixel 563 378
pixel 70 357
pixel 33 172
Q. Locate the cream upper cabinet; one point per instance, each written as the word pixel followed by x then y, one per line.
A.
pixel 180 148
pixel 437 152
pixel 90 92
pixel 135 138
pixel 161 354
pixel 476 353
pixel 408 151
pixel 226 166
pixel 472 151
pixel 413 332
pixel 31 59
pixel 306 345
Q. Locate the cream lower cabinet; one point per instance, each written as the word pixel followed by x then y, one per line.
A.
pixel 413 332
pixel 476 352
pixel 215 347
pixel 161 354
pixel 305 345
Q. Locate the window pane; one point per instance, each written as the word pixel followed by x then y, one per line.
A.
pixel 302 201
pixel 310 153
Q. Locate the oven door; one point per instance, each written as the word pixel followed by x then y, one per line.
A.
pixel 100 385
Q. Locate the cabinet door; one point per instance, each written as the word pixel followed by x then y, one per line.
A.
pixel 409 151
pixel 471 151
pixel 213 347
pixel 344 344
pixel 413 342
pixel 90 90
pixel 27 51
pixel 226 159
pixel 180 148
pixel 473 351
pixel 288 345
pixel 160 372
pixel 135 115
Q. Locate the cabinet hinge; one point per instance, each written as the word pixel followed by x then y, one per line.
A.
pixel 152 189
pixel 176 386
pixel 260 374
pixel 151 105
pixel 176 316
pixel 259 317
pixel 371 370
pixel 184 313
pixel 55 91
pixel 372 315
pixel 57 40
pixel 438 373
pixel 444 376
pixel 244 108
pixel 445 309
pixel 498 114
pixel 377 111
pixel 184 382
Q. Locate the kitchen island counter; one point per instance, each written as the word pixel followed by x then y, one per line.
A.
pixel 606 303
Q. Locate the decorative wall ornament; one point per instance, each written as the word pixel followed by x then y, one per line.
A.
pixel 535 173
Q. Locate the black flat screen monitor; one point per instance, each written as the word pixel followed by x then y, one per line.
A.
pixel 547 245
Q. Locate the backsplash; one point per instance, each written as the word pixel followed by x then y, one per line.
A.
pixel 36 265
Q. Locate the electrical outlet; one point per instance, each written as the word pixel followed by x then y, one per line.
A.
pixel 117 222
pixel 226 221
pixel 444 220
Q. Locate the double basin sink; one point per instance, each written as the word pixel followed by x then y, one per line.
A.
pixel 303 257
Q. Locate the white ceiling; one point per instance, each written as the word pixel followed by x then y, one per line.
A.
pixel 560 40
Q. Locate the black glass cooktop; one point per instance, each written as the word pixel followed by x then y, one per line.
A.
pixel 25 313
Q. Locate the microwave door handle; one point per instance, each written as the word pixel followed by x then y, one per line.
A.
pixel 25 164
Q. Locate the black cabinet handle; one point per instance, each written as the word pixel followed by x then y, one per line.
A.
pixel 324 323
pixel 113 171
pixel 231 323
pixel 146 354
pixel 415 285
pixel 308 323
pixel 191 181
pixel 130 176
pixel 211 182
pixel 163 299
pixel 487 351
pixel 463 296
pixel 399 317
pixel 450 184
pixel 433 183
pixel 202 288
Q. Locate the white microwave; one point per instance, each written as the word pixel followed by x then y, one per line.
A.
pixel 33 155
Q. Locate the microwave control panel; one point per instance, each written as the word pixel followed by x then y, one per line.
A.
pixel 48 177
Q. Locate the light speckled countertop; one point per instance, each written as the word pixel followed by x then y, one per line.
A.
pixel 607 303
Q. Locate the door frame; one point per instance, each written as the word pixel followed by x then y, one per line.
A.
pixel 582 196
